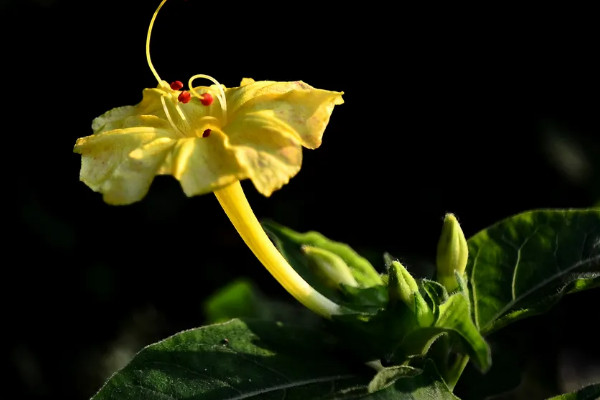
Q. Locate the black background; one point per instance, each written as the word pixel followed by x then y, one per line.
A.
pixel 467 110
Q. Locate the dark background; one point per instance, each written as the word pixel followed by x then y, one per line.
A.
pixel 480 112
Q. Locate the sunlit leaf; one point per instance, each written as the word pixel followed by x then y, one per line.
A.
pixel 524 264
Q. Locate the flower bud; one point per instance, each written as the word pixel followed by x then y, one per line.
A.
pixel 452 252
pixel 329 266
pixel 402 286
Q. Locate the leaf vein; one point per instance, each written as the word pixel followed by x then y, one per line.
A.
pixel 542 283
pixel 474 288
pixel 585 238
pixel 513 285
pixel 291 385
pixel 555 253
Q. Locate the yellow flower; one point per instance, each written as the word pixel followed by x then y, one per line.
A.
pixel 255 131
pixel 210 138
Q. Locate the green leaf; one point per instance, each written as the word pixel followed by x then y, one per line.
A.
pixel 238 360
pixel 591 392
pixel 251 359
pixel 435 294
pixel 408 383
pixel 369 300
pixel 524 264
pixel 290 243
pixel 455 318
pixel 416 343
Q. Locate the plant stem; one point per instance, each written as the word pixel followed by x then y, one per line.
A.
pixel 237 208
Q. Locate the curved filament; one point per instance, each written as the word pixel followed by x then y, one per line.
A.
pixel 220 95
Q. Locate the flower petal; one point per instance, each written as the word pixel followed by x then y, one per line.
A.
pixel 205 164
pixel 260 138
pixel 122 163
pixel 304 109
pixel 149 112
pixel 266 148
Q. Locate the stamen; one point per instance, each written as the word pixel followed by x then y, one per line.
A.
pixel 206 133
pixel 148 42
pixel 180 112
pixel 184 97
pixel 220 95
pixel 166 110
pixel 206 99
pixel 176 85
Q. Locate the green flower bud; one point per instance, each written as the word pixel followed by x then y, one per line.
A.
pixel 403 287
pixel 452 252
pixel 329 266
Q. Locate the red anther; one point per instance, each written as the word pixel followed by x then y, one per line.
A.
pixel 206 99
pixel 176 85
pixel 184 97
pixel 206 133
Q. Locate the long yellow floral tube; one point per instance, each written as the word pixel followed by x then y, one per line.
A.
pixel 238 210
